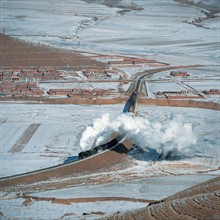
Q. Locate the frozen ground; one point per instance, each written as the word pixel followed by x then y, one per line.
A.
pixel 57 136
pixel 81 85
pixel 163 30
pixel 34 136
pixel 148 189
pixel 205 85
pixel 155 188
pixel 196 73
pixel 58 130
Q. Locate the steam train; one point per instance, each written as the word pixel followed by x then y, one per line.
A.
pixel 98 149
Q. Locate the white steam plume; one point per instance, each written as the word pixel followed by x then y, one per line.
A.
pixel 171 135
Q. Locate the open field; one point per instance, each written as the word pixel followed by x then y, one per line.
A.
pixel 58 135
pixel 46 134
pixel 67 68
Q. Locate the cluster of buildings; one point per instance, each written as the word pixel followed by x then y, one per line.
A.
pixel 132 61
pixel 179 74
pixel 212 92
pixel 99 73
pixel 78 92
pixel 22 81
pixel 29 74
pixel 184 94
pixel 8 88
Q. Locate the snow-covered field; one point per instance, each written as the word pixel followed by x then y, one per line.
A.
pixel 159 30
pixel 154 188
pixel 58 135
pixel 34 136
pixel 205 85
pixel 60 128
pixel 81 85
pixel 56 138
pixel 164 86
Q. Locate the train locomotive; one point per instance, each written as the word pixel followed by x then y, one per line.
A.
pixel 100 148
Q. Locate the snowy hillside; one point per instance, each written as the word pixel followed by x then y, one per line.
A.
pixel 174 32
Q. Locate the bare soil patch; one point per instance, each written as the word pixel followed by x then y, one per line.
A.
pixel 81 200
pixel 16 53
pixel 197 202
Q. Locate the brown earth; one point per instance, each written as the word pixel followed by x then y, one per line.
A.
pixel 103 101
pixel 69 201
pixel 86 171
pixel 16 53
pixel 198 202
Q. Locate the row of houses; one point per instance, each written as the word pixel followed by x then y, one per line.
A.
pixel 8 88
pixel 99 73
pixel 184 94
pixel 179 74
pixel 76 92
pixel 212 92
pixel 131 61
pixel 30 74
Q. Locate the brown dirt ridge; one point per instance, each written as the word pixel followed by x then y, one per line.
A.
pixel 198 202
pixel 69 201
pixel 16 53
pixel 68 174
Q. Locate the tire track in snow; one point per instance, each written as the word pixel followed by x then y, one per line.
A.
pixel 25 138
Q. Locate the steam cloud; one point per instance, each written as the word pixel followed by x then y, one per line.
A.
pixel 170 135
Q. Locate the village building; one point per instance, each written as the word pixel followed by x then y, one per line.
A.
pixel 179 74
pixel 16 71
pixel 184 94
pixel 59 91
pixel 131 61
pixel 10 88
pixel 212 92
pixel 30 74
pixel 96 73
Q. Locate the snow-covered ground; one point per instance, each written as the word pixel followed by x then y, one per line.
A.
pixel 87 85
pixel 155 188
pixel 46 210
pixel 56 138
pixel 148 189
pixel 60 127
pixel 34 136
pixel 58 134
pixel 205 85
pixel 159 30
pixel 164 86
pixel 196 73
